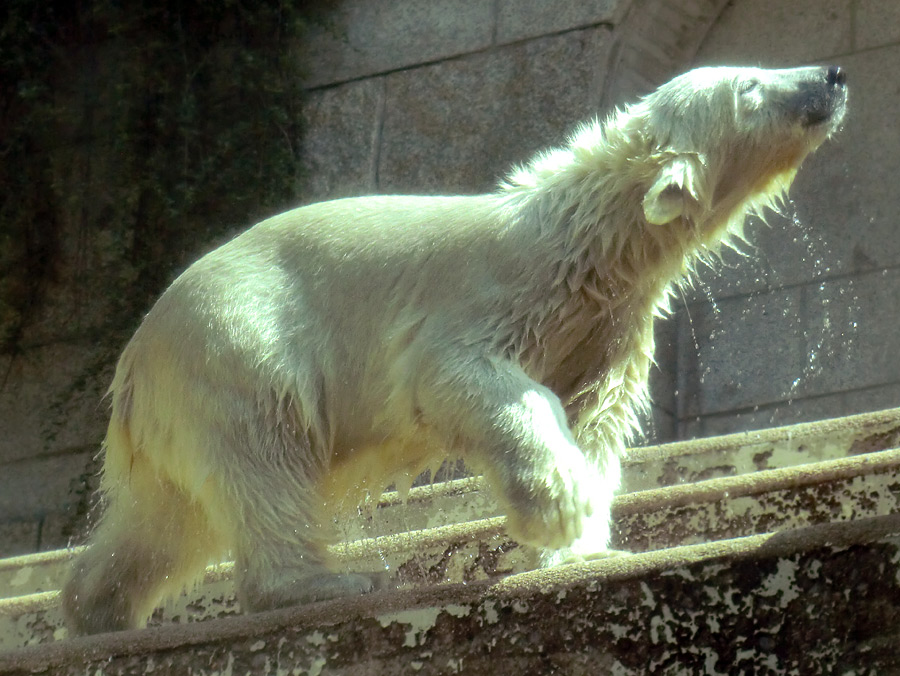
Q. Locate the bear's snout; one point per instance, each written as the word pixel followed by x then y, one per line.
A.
pixel 835 76
pixel 823 99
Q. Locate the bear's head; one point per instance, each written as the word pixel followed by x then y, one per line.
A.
pixel 729 140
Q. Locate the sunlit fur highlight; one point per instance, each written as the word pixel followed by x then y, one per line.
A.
pixel 337 348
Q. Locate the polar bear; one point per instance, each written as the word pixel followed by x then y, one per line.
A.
pixel 345 345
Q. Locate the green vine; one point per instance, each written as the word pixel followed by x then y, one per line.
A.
pixel 133 137
pixel 178 121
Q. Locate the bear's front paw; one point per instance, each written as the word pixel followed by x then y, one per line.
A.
pixel 567 555
pixel 547 508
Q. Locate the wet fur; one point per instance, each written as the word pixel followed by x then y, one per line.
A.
pixel 336 348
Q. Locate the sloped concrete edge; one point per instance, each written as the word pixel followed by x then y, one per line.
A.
pixel 866 432
pixel 631 515
pixel 384 618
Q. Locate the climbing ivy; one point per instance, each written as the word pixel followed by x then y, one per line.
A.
pixel 133 137
pixel 136 133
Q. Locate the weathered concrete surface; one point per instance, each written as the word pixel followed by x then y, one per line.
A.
pixel 824 599
pixel 773 500
pixel 520 99
pixel 833 268
pixel 859 483
pixel 360 39
pixel 744 452
pixel 645 469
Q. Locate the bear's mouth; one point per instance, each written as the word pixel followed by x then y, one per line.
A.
pixel 814 118
pixel 823 110
pixel 828 99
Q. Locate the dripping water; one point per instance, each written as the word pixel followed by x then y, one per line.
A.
pixel 829 304
pixel 717 314
pixel 832 333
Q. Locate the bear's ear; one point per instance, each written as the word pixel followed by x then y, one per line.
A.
pixel 668 196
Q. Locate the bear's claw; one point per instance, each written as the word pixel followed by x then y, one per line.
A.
pixel 550 512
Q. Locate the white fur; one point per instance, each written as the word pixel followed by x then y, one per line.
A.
pixel 338 347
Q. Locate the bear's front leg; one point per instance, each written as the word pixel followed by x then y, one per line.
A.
pixel 514 431
pixel 595 536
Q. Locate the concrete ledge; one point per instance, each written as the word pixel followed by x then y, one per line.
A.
pixel 846 489
pixel 681 464
pixel 450 533
pixel 586 616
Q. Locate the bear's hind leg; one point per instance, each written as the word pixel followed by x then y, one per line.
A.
pixel 152 542
pixel 279 530
pixel 281 556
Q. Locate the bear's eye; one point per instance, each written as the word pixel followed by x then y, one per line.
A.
pixel 747 86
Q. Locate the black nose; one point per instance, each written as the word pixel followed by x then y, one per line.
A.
pixel 835 76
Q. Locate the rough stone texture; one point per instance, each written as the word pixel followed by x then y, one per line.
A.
pixel 797 32
pixel 518 99
pixel 746 352
pixel 856 205
pixel 47 498
pixel 773 500
pixel 19 537
pixel 88 251
pixel 877 23
pixel 45 485
pixel 656 39
pixel 843 197
pixel 867 304
pixel 683 493
pixel 835 251
pixel 790 412
pixel 362 38
pixel 65 527
pixel 32 573
pixel 821 600
pixel 339 145
pixel 683 462
pixel 713 510
pixel 518 19
pixel 52 401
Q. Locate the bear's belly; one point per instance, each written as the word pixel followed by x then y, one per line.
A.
pixel 363 472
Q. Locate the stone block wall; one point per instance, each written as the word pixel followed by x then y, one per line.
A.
pixel 408 96
pixel 798 329
pixel 807 329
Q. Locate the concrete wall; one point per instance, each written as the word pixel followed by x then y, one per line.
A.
pixel 799 330
pixel 807 330
pixel 440 96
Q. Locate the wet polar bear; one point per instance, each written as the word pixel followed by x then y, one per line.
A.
pixel 338 347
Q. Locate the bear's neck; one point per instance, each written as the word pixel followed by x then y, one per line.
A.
pixel 594 344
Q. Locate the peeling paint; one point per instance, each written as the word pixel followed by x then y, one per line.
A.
pixel 456 665
pixel 490 612
pixel 317 638
pixel 419 620
pixel 783 582
pixel 315 669
pixel 229 668
pixel 21 577
pixel 647 601
pixel 727 614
